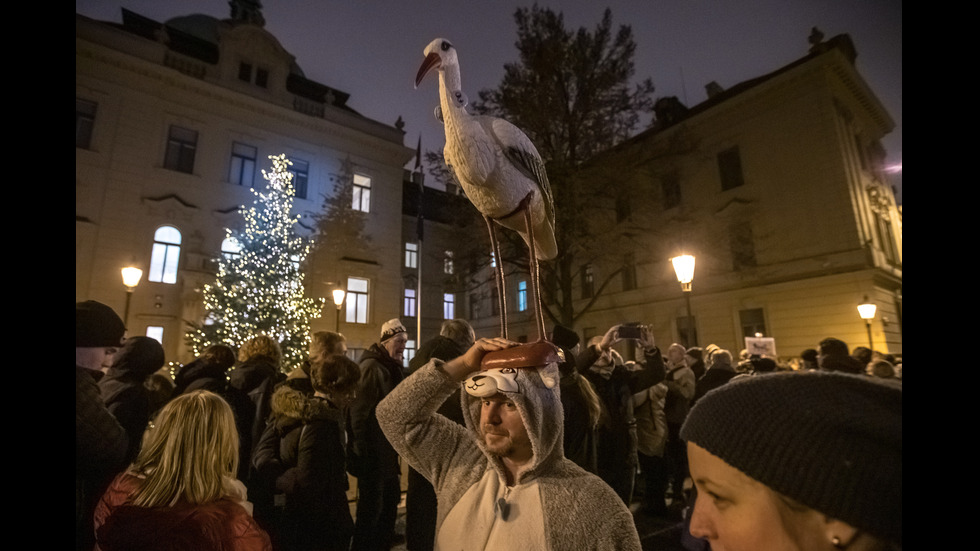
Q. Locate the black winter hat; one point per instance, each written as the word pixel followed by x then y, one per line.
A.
pixel 97 325
pixel 831 441
pixel 564 337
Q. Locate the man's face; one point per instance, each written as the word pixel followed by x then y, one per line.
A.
pixel 503 429
pixel 675 355
pixel 95 358
pixel 396 346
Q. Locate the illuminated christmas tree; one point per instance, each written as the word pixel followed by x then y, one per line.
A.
pixel 259 289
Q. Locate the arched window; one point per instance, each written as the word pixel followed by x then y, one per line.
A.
pixel 231 248
pixel 166 253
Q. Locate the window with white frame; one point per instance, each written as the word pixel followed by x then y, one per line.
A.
pixel 361 198
pixel 448 306
pixel 409 353
pixel 409 309
pixel 242 171
pixel 447 263
pixel 411 255
pixel 181 149
pixel 231 248
pixel 165 255
pixel 155 332
pixel 357 300
pixel 522 296
pixel 301 177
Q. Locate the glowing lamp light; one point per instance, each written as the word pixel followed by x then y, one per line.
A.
pixel 684 268
pixel 867 310
pixel 131 276
pixel 338 297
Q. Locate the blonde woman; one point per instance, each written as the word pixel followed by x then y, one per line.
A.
pixel 181 491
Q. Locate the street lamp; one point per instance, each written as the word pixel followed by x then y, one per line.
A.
pixel 684 268
pixel 867 312
pixel 338 299
pixel 131 278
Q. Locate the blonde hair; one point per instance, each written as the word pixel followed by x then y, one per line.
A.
pixel 260 345
pixel 188 453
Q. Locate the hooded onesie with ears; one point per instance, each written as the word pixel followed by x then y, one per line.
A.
pixel 553 504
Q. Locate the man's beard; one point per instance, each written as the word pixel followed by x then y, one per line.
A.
pixel 500 445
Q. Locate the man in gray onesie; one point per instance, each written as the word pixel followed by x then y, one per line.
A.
pixel 502 481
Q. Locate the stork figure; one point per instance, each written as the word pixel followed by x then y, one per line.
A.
pixel 499 169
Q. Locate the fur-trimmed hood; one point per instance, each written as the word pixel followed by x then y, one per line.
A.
pixel 291 407
pixel 535 392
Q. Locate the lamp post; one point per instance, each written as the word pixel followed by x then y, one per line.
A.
pixel 338 299
pixel 131 278
pixel 867 311
pixel 684 268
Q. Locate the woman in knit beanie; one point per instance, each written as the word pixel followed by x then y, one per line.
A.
pixel 801 460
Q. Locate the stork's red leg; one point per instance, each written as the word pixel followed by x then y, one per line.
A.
pixel 499 276
pixel 533 266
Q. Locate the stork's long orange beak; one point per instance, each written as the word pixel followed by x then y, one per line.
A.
pixel 431 60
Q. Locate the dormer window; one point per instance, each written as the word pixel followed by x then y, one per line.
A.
pixel 254 75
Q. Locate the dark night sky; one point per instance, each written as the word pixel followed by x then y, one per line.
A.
pixel 372 49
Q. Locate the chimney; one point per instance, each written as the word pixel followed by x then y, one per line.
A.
pixel 713 89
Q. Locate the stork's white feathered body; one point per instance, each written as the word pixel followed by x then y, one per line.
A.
pixel 493 160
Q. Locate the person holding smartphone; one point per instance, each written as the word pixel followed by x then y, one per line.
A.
pixel 616 384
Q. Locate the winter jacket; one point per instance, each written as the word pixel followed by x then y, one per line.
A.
pixel 123 390
pixel 256 378
pixel 372 453
pixel 301 457
pixel 100 451
pixel 553 504
pixel 224 525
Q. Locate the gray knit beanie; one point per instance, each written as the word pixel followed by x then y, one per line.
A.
pixel 831 441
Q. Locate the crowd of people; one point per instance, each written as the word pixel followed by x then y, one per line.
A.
pixel 509 445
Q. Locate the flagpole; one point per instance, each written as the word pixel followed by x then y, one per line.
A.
pixel 418 291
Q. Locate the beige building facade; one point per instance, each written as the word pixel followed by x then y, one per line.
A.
pixel 776 186
pixel 175 122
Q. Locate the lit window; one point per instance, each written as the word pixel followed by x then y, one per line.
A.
pixel 84 123
pixel 155 332
pixel 181 149
pixel 409 310
pixel 231 248
pixel 362 193
pixel 521 296
pixel 448 306
pixel 409 352
pixel 166 253
pixel 301 177
pixel 357 300
pixel 411 255
pixel 447 263
pixel 242 171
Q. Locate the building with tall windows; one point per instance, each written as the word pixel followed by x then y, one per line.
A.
pixel 776 186
pixel 174 123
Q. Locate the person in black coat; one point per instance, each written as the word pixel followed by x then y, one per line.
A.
pixel 455 337
pixel 302 457
pixel 208 372
pixel 255 377
pixel 580 404
pixel 123 390
pixel 100 441
pixel 616 384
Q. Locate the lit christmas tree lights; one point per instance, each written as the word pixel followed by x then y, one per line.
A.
pixel 260 288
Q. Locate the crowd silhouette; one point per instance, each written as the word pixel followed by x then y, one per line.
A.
pixel 233 453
